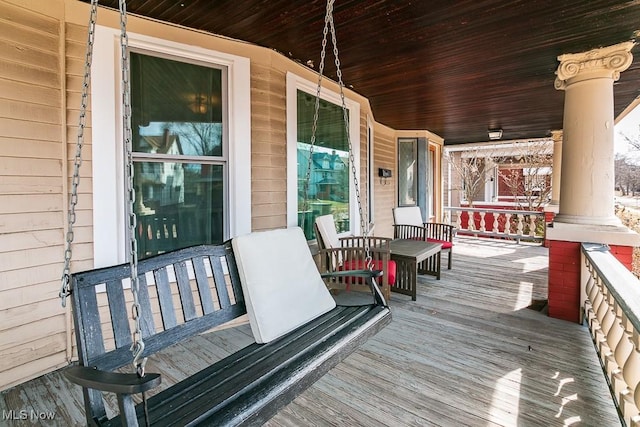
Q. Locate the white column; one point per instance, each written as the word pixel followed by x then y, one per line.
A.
pixel 557 167
pixel 587 176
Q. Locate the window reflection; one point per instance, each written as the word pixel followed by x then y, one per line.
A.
pixel 328 165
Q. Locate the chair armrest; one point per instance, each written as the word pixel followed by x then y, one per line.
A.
pixel 439 231
pixel 113 382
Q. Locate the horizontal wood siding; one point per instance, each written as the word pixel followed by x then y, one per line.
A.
pixel 384 155
pixel 33 326
pixel 268 147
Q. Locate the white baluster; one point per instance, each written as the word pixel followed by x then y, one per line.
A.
pixel 507 224
pixel 471 224
pixel 606 323
pixel 482 222
pixel 596 300
pixel 520 224
pixel 615 334
pixel 601 310
pixel 496 224
pixel 459 220
pixel 631 375
pixel 532 225
pixel 588 288
pixel 623 349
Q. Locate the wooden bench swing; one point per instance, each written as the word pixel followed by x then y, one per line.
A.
pixel 247 387
pixel 271 276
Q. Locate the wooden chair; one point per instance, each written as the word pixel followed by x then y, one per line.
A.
pixel 408 224
pixel 348 253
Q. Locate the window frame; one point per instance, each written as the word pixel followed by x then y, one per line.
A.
pixel 108 186
pixel 293 84
pixel 402 176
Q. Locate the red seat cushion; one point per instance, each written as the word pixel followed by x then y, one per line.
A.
pixel 377 265
pixel 445 244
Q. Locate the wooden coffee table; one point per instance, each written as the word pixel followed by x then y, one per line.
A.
pixel 413 257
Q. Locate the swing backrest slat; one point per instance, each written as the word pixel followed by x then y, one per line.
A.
pixel 184 289
pixel 119 315
pixel 165 298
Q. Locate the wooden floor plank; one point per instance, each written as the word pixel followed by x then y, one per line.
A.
pixel 466 353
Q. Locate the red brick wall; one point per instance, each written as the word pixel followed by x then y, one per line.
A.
pixel 564 276
pixel 624 254
pixel 564 280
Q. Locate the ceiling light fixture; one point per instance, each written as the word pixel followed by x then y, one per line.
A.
pixel 495 134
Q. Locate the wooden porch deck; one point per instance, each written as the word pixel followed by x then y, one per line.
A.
pixel 467 353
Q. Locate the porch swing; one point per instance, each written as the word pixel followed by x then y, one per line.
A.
pixel 300 332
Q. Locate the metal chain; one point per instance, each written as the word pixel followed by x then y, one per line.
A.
pixel 65 290
pixel 137 347
pixel 363 224
pixel 314 126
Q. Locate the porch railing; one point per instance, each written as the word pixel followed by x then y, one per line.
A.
pixel 611 301
pixel 512 224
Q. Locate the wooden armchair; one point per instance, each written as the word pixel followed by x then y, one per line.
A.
pixel 408 224
pixel 348 253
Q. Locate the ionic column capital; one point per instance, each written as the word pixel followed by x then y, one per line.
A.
pixel 604 62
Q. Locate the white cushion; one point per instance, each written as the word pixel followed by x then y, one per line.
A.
pixel 281 284
pixel 328 233
pixel 407 216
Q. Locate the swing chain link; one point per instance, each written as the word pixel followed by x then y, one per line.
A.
pixel 65 286
pixel 330 26
pixel 314 126
pixel 137 347
pixel 354 171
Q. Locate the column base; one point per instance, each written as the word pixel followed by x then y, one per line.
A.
pixel 605 234
pixel 588 220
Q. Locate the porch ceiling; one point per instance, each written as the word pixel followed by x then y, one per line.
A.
pixel 454 68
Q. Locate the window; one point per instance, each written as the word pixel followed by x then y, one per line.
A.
pixel 330 184
pixel 179 143
pixel 407 172
pixel 191 128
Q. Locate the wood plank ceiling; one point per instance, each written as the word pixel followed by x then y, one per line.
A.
pixel 455 68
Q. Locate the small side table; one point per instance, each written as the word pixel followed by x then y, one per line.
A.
pixel 409 254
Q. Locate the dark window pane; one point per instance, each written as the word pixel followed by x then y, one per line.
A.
pixel 172 99
pixel 178 205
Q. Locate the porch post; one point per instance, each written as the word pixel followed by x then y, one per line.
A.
pixel 557 168
pixel 551 210
pixel 586 197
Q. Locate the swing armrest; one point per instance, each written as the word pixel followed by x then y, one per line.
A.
pixel 113 382
pixel 369 275
pixel 353 273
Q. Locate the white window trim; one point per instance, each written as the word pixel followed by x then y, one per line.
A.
pixel 109 225
pixel 294 83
